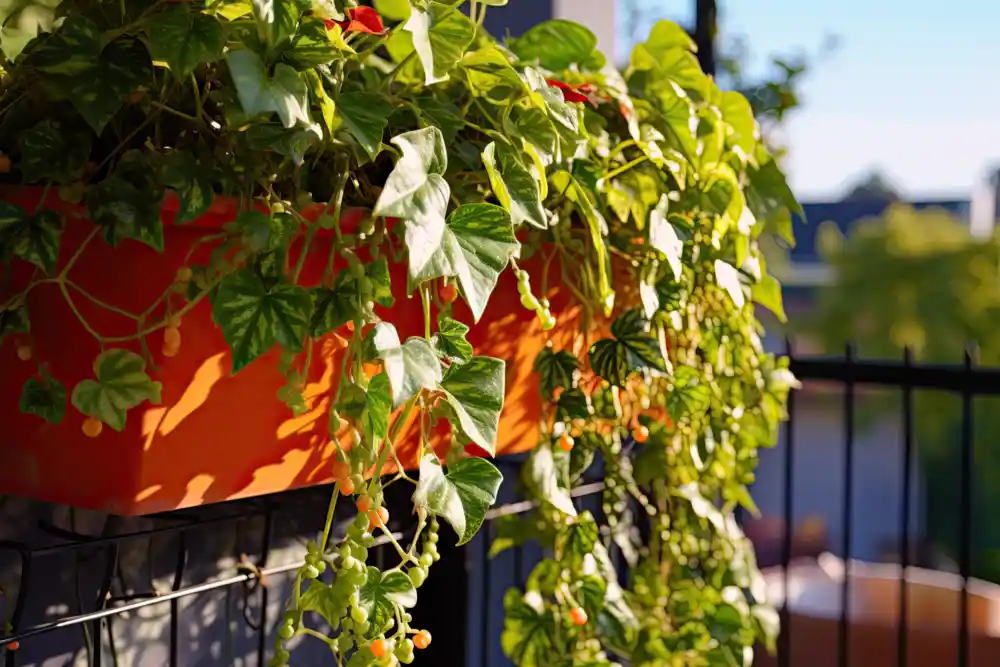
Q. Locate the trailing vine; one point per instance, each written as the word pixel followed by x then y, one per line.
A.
pixel 339 143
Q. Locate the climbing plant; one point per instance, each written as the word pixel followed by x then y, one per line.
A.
pixel 409 135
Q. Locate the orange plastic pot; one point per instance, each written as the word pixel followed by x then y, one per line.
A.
pixel 215 436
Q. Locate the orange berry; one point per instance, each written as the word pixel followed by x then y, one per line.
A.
pixel 347 486
pixel 350 325
pixel 640 434
pixel 14 645
pixel 92 427
pixel 566 442
pixel 341 469
pixel 4 164
pixel 24 352
pixel 184 274
pixel 422 639
pixel 448 293
pixel 377 519
pixel 172 337
pixel 135 96
pixel 379 648
pixel 174 321
pixel 364 503
pixel 578 616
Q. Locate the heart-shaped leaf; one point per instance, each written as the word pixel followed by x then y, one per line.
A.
pixel 254 316
pixel 370 407
pixel 335 306
pixel 475 245
pixel 556 370
pixel 277 19
pixel 184 38
pixel 441 34
pixel 557 44
pixel 181 172
pixel 634 347
pixel 380 595
pixel 365 115
pixel 33 238
pixel 515 186
pixel 127 205
pixel 450 340
pixel 99 92
pixel 410 366
pixel 475 392
pixel 122 383
pixel 462 496
pixel 44 397
pixel 285 93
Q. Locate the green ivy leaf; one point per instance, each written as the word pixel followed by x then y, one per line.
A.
pixel 311 45
pixel 475 246
pixel 378 273
pixel 254 316
pixel 127 204
pixel 462 496
pixel 556 370
pixel 634 347
pixel 767 292
pixel 334 307
pixel 557 44
pixel 515 186
pixel 528 630
pixel 97 93
pixel 580 537
pixel 381 593
pixel 410 366
pixel 33 238
pixel 690 393
pixel 181 172
pixel 184 38
pixel 543 476
pixel 284 94
pixel 416 189
pixel 53 151
pixel 441 35
pixel 44 397
pixel 490 75
pixel 14 321
pixel 122 383
pixel 450 342
pixel 370 407
pixel 663 237
pixel 728 278
pixel 475 392
pixel 292 144
pixel 664 37
pixel 365 115
pixel 74 48
pixel 574 404
pixel 277 19
pixel 322 599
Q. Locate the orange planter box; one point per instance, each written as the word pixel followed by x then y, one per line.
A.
pixel 215 436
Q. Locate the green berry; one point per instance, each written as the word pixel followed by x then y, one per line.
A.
pixel 426 560
pixel 310 572
pixel 417 576
pixel 286 631
pixel 529 301
pixel 359 615
pixel 433 538
pixel 359 552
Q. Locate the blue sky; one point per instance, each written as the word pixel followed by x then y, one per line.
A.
pixel 913 88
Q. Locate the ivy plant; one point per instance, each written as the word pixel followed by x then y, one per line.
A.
pixel 641 193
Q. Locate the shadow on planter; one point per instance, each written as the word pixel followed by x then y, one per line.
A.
pixel 215 436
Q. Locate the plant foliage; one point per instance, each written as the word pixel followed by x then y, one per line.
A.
pixel 647 189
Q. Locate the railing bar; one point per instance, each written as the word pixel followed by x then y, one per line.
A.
pixel 904 539
pixel 942 377
pixel 197 589
pixel 784 639
pixel 528 505
pixel 843 636
pixel 485 645
pixel 965 518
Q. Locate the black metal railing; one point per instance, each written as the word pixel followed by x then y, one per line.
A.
pixel 182 546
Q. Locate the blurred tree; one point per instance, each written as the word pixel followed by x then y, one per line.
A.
pixel 920 280
pixel 874 186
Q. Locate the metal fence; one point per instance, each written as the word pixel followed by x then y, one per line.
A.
pixel 467 586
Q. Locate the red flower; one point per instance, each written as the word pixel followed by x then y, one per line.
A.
pixel 578 92
pixel 360 19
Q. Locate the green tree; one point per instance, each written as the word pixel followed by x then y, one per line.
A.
pixel 920 280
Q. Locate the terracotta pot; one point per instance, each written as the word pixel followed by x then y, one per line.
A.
pixel 215 436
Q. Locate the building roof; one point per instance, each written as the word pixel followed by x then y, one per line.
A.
pixel 845 214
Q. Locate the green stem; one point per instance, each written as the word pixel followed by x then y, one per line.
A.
pixel 76 255
pixel 95 300
pixel 331 509
pixel 313 633
pixel 625 167
pixel 199 110
pixel 425 297
pixel 76 311
pixel 175 112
